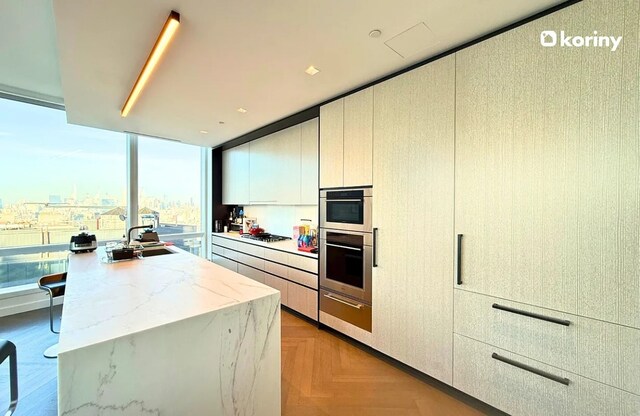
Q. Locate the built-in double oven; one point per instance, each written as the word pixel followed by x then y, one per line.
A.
pixel 346 255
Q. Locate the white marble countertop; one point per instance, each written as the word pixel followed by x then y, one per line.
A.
pixel 289 246
pixel 107 301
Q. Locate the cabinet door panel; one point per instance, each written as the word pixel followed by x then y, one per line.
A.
pixel 521 392
pixel 278 284
pixel 309 162
pixel 287 166
pixel 303 300
pixel 547 162
pixel 331 144
pixel 275 168
pixel 235 175
pixel 413 179
pixel 250 272
pixel 224 262
pixel 358 138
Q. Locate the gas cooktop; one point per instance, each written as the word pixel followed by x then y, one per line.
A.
pixel 266 237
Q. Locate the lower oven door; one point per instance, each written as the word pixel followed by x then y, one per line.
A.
pixel 345 263
pixel 346 309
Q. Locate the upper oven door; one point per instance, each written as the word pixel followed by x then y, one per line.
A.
pixel 345 263
pixel 346 209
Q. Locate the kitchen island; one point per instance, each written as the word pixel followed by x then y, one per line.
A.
pixel 167 335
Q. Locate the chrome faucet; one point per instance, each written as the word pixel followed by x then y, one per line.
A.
pixel 135 228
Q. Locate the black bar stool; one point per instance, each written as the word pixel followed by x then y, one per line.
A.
pixel 8 350
pixel 54 285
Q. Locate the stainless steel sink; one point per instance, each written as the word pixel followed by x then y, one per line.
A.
pixel 150 252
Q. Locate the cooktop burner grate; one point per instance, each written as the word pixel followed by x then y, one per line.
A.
pixel 266 237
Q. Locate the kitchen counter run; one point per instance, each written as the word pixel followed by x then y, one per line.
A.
pixel 288 246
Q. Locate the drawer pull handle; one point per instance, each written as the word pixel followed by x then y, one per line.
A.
pixel 358 306
pixel 459 269
pixel 532 314
pixel 530 369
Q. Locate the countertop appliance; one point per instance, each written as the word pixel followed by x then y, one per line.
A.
pixel 346 209
pixel 83 243
pixel 265 237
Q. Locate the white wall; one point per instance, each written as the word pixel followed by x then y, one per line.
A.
pixel 280 219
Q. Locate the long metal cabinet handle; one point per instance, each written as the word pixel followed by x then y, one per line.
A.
pixel 341 246
pixel 530 369
pixel 532 315
pixel 459 257
pixel 358 306
pixel 375 247
pixel 343 200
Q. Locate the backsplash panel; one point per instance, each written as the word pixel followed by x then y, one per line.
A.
pixel 280 219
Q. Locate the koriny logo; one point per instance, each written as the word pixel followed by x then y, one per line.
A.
pixel 549 38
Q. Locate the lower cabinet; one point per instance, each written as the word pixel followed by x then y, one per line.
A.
pixel 278 284
pixel 251 273
pixel 225 262
pixel 602 351
pixel 522 386
pixel 297 281
pixel 303 300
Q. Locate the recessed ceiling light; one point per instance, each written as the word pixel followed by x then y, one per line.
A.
pixel 242 110
pixel 312 70
pixel 375 33
pixel 204 131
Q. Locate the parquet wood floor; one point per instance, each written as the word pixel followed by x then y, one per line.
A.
pixel 321 375
pixel 326 375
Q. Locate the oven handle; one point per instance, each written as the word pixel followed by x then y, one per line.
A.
pixel 358 306
pixel 344 200
pixel 341 246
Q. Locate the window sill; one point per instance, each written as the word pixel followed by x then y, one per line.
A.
pixel 14 291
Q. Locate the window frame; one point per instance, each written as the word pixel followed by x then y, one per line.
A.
pixel 132 199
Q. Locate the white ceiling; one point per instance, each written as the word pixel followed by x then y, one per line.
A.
pixel 28 55
pixel 243 53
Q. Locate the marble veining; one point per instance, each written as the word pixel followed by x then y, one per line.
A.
pixel 103 301
pixel 194 338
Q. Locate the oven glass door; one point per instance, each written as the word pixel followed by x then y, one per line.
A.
pixel 349 211
pixel 345 259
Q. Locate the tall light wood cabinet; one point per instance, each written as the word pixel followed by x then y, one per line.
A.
pixel 413 178
pixel 235 177
pixel 547 166
pixel 346 141
pixel 309 162
pixel 547 200
pixel 331 144
pixel 358 138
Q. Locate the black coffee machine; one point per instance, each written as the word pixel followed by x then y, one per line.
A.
pixel 235 219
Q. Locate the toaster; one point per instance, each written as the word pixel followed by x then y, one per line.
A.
pixel 83 243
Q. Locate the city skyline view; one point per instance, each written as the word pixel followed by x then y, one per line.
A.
pixel 51 157
pixel 59 179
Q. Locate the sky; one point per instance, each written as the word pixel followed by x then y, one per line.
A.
pixel 42 155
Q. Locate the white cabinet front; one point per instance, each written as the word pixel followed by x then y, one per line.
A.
pixel 235 175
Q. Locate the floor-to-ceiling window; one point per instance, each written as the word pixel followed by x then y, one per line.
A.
pixel 57 179
pixel 169 179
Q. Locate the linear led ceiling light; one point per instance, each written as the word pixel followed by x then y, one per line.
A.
pixel 168 30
